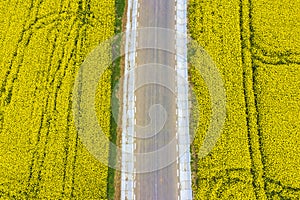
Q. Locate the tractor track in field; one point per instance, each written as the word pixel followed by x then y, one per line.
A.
pixel 66 31
pixel 256 146
pixel 254 134
pixel 57 88
pixel 53 81
pixel 48 115
pixel 254 53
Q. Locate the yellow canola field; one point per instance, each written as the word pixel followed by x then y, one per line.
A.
pixel 255 46
pixel 43 44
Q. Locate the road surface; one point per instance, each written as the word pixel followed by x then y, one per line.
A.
pixel 162 183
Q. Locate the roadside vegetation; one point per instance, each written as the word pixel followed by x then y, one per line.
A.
pixel 114 176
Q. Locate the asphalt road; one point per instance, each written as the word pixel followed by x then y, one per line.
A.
pixel 162 183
